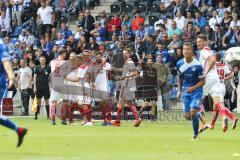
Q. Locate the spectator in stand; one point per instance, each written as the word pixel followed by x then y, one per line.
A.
pixel 175 43
pixel 150 46
pixel 191 7
pixel 200 20
pixel 189 33
pixel 17 8
pixel 65 31
pixel 45 19
pixel 234 7
pixel 208 32
pixel 189 17
pixel 81 20
pixel 8 9
pixel 114 21
pixel 235 21
pixel 216 40
pixel 33 9
pixel 125 34
pixel 180 20
pixel 92 45
pixel 88 22
pixel 159 30
pixel 10 45
pixel 99 32
pixel 126 21
pixel 139 47
pixel 60 41
pixel 231 38
pixel 18 52
pixel 140 32
pixel 137 20
pixel 179 7
pixel 80 32
pixel 164 52
pixel 24 85
pixel 60 6
pixel 103 19
pixel 114 31
pixel 82 43
pixel 53 55
pixel 165 40
pixel 73 7
pixel 226 21
pixel 174 30
pixel 71 41
pixel 206 7
pixel 216 19
pixel 220 10
pixel 5 24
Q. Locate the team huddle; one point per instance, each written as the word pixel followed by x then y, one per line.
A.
pixel 85 78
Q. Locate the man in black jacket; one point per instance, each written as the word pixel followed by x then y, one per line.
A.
pixel 88 22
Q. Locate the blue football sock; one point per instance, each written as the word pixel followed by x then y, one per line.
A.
pixel 7 123
pixel 195 124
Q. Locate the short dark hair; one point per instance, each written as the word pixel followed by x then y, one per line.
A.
pixel 218 56
pixel 61 51
pixel 202 36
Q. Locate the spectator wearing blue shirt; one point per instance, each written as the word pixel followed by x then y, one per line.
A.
pixel 140 32
pixel 163 52
pixel 18 53
pixel 126 34
pixel 99 32
pixel 60 41
pixel 65 31
pixel 200 20
pixel 174 30
pixel 231 38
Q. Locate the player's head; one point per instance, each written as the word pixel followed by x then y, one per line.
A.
pixel 218 57
pixel 201 41
pixel 72 55
pixel 127 53
pixel 187 50
pixel 99 58
pixel 42 60
pixel 62 53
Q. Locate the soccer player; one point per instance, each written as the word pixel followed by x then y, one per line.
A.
pixel 212 86
pixel 101 88
pixel 127 94
pixel 57 85
pixel 224 75
pixel 190 86
pixel 6 72
pixel 85 79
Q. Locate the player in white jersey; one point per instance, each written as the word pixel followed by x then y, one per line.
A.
pixel 84 94
pixel 57 84
pixel 212 84
pixel 101 88
pixel 224 74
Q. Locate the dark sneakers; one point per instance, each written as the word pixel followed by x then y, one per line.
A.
pixel 21 133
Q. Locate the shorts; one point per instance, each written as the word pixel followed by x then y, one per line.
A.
pixel 56 96
pixel 45 28
pixel 214 88
pixel 192 100
pixel 84 99
pixel 43 92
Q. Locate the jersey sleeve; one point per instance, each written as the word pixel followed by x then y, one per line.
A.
pixel 3 52
pixel 108 67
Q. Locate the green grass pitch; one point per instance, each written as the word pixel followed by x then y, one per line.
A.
pixel 160 141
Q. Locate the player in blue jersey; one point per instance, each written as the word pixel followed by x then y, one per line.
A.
pixel 6 73
pixel 190 86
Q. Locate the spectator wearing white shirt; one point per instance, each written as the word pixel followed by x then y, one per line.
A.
pixel 180 20
pixel 235 21
pixel 5 24
pixel 17 9
pixel 45 18
pixel 167 3
pixel 214 20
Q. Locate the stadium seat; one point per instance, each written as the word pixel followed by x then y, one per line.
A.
pixel 115 9
pixel 127 9
pixel 153 8
pixel 152 20
pixel 142 9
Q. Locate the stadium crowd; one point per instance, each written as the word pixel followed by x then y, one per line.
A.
pixel 36 31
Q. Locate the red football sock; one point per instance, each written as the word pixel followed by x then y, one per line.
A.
pixel 104 113
pixel 134 111
pixel 215 116
pixel 224 111
pixel 64 112
pixel 119 111
pixel 71 110
pixel 53 112
pixel 109 112
pixel 88 113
